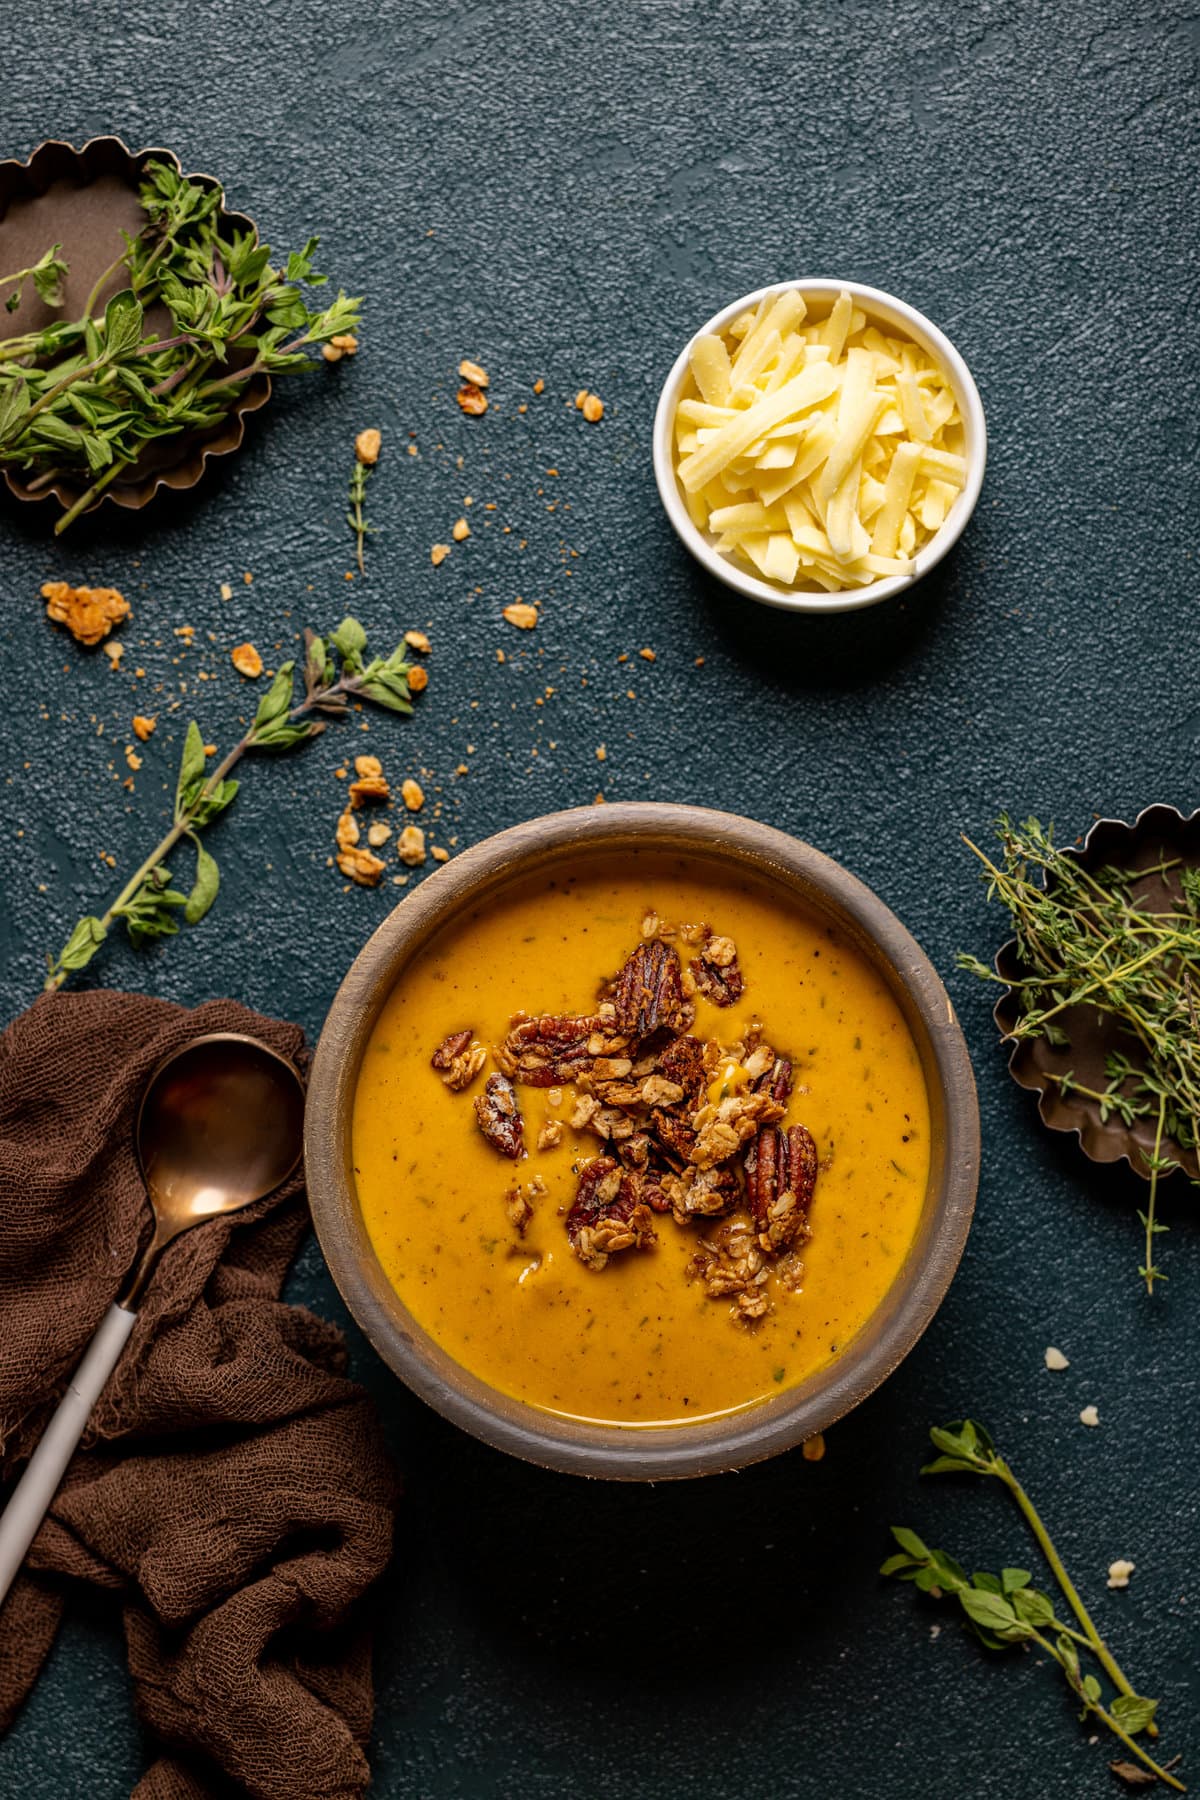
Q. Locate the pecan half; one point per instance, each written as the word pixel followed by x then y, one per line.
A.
pixel 776 1081
pixel 648 994
pixel 683 1063
pixel 458 1060
pixel 675 1135
pixel 545 1051
pixel 716 972
pixel 500 1117
pixel 781 1174
pixel 608 1214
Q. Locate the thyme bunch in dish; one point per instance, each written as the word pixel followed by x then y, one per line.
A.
pixel 1082 940
pixel 1004 1610
pixel 83 398
pixel 335 672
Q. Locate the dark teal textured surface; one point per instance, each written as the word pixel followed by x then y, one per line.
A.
pixel 566 192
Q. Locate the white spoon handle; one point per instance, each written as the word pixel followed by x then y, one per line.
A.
pixel 38 1485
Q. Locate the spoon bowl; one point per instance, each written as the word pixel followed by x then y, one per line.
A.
pixel 220 1125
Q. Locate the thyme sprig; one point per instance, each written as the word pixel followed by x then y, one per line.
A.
pixel 355 518
pixel 335 673
pixel 1082 940
pixel 83 398
pixel 1004 1610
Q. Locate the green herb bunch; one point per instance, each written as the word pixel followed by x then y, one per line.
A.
pixel 83 398
pixel 1082 941
pixel 149 905
pixel 1005 1611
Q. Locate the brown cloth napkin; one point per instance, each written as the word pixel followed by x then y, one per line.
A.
pixel 232 1488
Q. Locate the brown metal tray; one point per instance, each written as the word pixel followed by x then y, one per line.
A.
pixel 84 199
pixel 1158 834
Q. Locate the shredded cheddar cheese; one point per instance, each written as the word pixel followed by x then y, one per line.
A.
pixel 822 453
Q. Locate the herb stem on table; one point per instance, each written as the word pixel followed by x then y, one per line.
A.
pixel 334 673
pixel 1005 1610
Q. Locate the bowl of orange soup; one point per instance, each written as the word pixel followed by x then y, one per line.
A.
pixel 642 1141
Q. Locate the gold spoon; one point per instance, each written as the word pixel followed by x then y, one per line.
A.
pixel 220 1125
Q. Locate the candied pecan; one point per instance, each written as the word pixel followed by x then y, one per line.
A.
pixel 683 1063
pixel 545 1051
pixel 608 1214
pixel 500 1117
pixel 647 993
pixel 716 971
pixel 458 1060
pixel 775 1080
pixel 781 1174
pixel 675 1134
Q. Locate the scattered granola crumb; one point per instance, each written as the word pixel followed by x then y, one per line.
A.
pixel 89 614
pixel 580 397
pixel 340 774
pixel 248 578
pixel 593 409
pixel 418 680
pixel 367 766
pixel 813 1448
pixel 132 758
pixel 369 787
pixel 114 653
pixel 699 662
pixel 438 854
pixel 598 800
pixel 143 726
pixel 226 591
pixel 378 834
pixel 460 530
pixel 1119 1572
pixel 412 794
pixel 210 749
pixel 1089 1416
pixel 438 554
pixel 400 880
pixel 472 399
pixel 247 661
pixel 412 450
pixel 472 372
pixel 346 833
pixel 601 753
pixel 345 344
pixel 647 655
pixel 361 866
pixel 1055 1359
pixel 367 446
pixel 522 615
pixel 500 657
pixel 539 386
pixel 416 640
pixel 411 846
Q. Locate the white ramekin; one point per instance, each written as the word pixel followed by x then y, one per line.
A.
pixel 892 315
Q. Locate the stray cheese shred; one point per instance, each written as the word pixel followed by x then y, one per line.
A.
pixel 822 453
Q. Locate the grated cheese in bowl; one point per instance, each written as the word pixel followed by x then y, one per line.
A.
pixel 821 452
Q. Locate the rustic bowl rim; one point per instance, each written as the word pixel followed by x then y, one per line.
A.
pixel 613 1451
pixel 890 311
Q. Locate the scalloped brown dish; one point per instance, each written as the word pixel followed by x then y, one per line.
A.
pixel 84 199
pixel 1157 833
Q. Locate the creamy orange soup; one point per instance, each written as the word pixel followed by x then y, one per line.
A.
pixel 637 1342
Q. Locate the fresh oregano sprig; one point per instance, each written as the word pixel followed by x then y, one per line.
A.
pixel 47 274
pixel 1082 941
pixel 83 398
pixel 1006 1610
pixel 335 672
pixel 356 518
